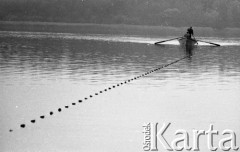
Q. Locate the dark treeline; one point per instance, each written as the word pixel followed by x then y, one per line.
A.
pixel 204 13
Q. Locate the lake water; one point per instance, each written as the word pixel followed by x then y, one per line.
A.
pixel 42 72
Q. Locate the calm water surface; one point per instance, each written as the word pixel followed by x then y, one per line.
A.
pixel 42 72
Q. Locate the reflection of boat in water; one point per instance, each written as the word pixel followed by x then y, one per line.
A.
pixel 187 44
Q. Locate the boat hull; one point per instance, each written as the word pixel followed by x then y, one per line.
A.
pixel 187 43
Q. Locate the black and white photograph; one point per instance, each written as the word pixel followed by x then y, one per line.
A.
pixel 119 75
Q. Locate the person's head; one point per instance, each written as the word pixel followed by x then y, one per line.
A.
pixel 190 27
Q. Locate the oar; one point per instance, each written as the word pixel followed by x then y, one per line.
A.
pixel 195 39
pixel 209 42
pixel 167 40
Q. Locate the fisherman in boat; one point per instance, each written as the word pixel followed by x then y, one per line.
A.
pixel 187 35
pixel 190 31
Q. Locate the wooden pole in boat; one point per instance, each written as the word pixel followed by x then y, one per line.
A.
pixel 167 40
pixel 209 42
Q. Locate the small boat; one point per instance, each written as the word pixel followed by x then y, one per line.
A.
pixel 187 43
